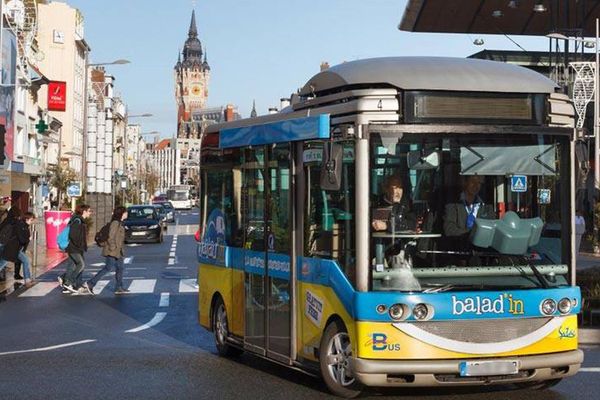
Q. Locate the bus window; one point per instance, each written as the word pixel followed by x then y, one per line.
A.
pixel 221 197
pixel 253 198
pixel 329 215
pixel 437 204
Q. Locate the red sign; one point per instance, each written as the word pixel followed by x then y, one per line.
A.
pixel 57 96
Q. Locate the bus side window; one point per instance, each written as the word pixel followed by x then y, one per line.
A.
pixel 329 218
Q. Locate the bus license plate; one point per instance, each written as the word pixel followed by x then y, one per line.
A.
pixel 488 368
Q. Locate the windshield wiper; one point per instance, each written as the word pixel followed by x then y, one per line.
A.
pixel 537 273
pixel 481 286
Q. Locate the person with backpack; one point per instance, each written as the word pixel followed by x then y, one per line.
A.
pixel 112 240
pixel 15 234
pixel 76 248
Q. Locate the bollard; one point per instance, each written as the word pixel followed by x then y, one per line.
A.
pixel 34 264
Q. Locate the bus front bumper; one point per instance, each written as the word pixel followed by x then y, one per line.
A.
pixel 446 372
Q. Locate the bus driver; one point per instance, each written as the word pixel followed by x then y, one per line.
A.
pixel 394 214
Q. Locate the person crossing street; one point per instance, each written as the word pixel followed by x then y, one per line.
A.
pixel 113 251
pixel 76 249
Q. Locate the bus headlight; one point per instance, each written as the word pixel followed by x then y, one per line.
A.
pixel 396 311
pixel 422 311
pixel 548 307
pixel 564 306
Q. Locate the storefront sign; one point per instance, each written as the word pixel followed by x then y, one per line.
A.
pixel 57 96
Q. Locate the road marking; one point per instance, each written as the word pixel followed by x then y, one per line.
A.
pixel 158 317
pixel 142 286
pixel 172 254
pixel 58 346
pixel 164 300
pixel 100 286
pixel 128 260
pixel 97 265
pixel 176 267
pixel 40 289
pixel 590 369
pixel 135 268
pixel 188 286
pixel 134 245
pixel 171 261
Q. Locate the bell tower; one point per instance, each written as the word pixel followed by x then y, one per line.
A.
pixel 192 75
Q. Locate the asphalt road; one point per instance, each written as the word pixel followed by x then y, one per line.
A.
pixel 174 358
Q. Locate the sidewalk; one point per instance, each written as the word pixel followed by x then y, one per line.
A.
pixel 42 259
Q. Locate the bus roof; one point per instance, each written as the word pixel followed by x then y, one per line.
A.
pixel 431 73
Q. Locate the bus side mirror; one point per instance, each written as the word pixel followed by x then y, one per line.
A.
pixel 331 167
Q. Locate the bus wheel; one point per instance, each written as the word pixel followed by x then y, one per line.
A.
pixel 543 385
pixel 334 359
pixel 221 330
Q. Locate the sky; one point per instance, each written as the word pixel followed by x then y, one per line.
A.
pixel 257 49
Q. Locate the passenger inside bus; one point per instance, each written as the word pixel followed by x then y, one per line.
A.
pixel 459 217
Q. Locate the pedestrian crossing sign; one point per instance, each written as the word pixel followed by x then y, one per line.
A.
pixel 518 183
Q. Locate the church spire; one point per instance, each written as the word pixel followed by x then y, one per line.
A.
pixel 192 50
pixel 193 32
pixel 253 113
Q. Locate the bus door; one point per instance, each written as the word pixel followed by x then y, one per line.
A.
pixel 279 252
pixel 267 253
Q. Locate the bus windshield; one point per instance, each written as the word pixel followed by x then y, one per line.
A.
pixel 177 195
pixel 468 213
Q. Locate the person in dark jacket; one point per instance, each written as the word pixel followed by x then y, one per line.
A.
pixel 24 224
pixel 394 213
pixel 76 249
pixel 113 251
pixel 16 233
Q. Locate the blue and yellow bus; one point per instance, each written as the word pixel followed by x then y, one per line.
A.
pixel 404 222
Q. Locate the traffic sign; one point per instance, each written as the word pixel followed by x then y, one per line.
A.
pixel 74 189
pixel 518 183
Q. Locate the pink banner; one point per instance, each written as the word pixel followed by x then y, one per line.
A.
pixel 56 221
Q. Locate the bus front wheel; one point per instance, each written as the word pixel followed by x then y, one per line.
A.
pixel 221 330
pixel 334 359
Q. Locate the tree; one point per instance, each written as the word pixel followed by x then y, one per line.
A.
pixel 151 181
pixel 61 177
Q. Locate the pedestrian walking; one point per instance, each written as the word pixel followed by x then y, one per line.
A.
pixel 579 228
pixel 113 250
pixel 71 280
pixel 15 234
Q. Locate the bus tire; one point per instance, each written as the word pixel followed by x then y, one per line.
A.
pixel 335 351
pixel 543 385
pixel 220 329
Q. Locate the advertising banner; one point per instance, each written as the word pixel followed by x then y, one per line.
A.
pixel 7 89
pixel 57 96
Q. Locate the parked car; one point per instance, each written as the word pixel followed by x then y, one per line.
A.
pixel 169 209
pixel 143 225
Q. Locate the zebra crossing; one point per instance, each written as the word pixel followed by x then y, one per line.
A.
pixel 137 286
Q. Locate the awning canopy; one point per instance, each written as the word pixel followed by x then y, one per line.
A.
pixel 515 17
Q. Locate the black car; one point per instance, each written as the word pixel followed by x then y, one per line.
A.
pixel 169 210
pixel 143 225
